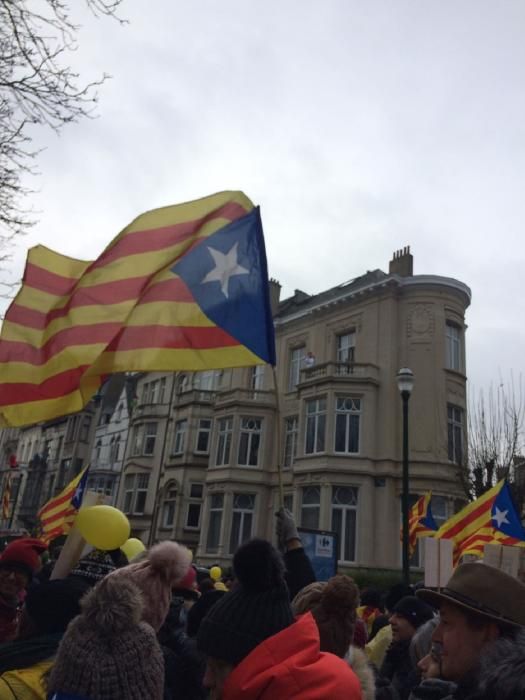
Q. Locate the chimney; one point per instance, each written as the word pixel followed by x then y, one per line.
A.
pixel 275 295
pixel 402 263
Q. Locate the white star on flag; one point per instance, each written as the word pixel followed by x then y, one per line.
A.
pixel 500 516
pixel 225 267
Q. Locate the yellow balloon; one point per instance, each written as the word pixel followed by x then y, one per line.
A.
pixel 132 547
pixel 215 573
pixel 103 527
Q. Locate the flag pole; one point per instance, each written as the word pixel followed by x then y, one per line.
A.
pixel 156 504
pixel 278 438
pixel 75 543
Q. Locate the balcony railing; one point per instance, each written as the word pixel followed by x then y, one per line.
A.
pixel 246 396
pixel 195 396
pixel 340 371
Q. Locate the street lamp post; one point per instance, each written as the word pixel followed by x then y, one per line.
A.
pixel 405 383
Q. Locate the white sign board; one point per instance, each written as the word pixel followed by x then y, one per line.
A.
pixel 506 559
pixel 438 562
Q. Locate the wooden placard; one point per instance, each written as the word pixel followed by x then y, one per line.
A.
pixel 438 561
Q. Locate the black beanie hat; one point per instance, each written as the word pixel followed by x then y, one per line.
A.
pixel 413 610
pixel 257 609
pixel 53 604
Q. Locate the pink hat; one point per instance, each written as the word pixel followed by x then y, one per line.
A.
pixel 165 566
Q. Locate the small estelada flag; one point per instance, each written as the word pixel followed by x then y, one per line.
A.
pixel 57 515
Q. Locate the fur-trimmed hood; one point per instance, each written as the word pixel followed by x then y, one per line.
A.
pixel 358 662
pixel 500 675
pixel 502 670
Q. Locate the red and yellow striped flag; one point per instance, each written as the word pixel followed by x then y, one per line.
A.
pixel 183 287
pixel 6 497
pixel 463 527
pixel 58 515
pixel 421 522
pixel 471 518
pixel 502 526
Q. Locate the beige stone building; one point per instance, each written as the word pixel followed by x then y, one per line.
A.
pixel 202 452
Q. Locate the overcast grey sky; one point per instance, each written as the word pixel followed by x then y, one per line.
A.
pixel 359 127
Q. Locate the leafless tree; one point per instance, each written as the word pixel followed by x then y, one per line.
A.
pixel 496 436
pixel 37 88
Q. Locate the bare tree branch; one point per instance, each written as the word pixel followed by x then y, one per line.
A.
pixel 496 435
pixel 38 87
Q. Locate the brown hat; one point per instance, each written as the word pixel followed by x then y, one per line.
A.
pixel 333 605
pixel 483 590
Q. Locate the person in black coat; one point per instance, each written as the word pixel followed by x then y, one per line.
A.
pixel 299 570
pixel 398 674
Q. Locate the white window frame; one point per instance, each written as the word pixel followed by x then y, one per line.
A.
pixel 129 490
pixel 179 436
pixel 244 513
pixel 257 377
pixel 141 487
pixel 138 435
pixel 250 434
pixel 345 347
pixel 311 507
pixel 315 418
pixel 208 380
pixel 150 433
pixel 348 408
pixel 347 510
pixel 196 495
pixel 295 365
pixel 202 430
pixel 224 441
pixel 215 510
pixel 453 427
pixel 114 446
pixel 162 389
pixel 291 439
pixel 453 346
pixel 154 391
pixel 169 508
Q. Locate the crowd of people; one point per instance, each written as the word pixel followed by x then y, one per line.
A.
pixel 158 628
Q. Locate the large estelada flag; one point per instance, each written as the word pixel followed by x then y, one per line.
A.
pixel 181 288
pixel 483 522
pixel 503 527
pixel 421 522
pixel 57 515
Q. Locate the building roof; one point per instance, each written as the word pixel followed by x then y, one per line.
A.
pixel 301 303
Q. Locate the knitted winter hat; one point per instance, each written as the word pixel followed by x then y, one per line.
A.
pixel 164 566
pixel 94 566
pixel 52 605
pixel 414 610
pixel 257 609
pixel 200 609
pixel 107 652
pixel 333 605
pixel 24 555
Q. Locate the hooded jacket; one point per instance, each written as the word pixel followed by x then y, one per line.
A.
pixel 358 662
pixel 500 675
pixel 291 666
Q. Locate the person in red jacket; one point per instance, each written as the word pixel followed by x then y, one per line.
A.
pixel 19 561
pixel 255 648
